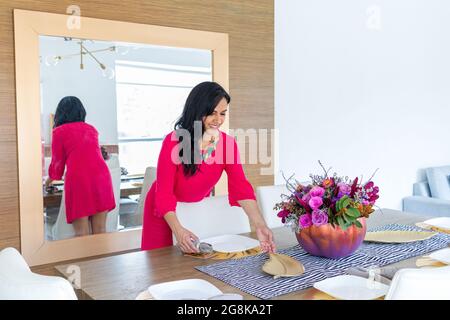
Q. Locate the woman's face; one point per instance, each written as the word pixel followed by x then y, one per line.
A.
pixel 217 118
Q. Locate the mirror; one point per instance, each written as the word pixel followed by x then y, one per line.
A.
pixel 132 94
pixel 129 110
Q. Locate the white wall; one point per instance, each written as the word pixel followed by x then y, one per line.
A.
pixel 360 91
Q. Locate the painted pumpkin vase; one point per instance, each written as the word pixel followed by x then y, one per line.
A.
pixel 331 241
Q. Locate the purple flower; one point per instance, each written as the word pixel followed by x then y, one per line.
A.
pixel 317 192
pixel 344 189
pixel 315 202
pixel 305 220
pixel 319 218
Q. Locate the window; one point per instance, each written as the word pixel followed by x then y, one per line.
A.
pixel 150 98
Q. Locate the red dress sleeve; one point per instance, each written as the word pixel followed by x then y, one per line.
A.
pixel 58 163
pixel 165 199
pixel 239 188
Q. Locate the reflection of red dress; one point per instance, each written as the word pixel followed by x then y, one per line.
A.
pixel 87 184
pixel 172 185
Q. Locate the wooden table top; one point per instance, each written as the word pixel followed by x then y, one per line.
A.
pixel 125 276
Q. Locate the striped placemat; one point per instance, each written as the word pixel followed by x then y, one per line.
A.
pixel 246 273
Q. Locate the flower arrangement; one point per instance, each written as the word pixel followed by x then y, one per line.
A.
pixel 327 199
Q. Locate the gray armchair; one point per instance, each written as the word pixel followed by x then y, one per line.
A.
pixel 431 197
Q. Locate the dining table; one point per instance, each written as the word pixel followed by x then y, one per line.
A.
pixel 128 187
pixel 128 276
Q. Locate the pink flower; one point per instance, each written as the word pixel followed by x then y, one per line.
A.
pixel 283 214
pixel 315 203
pixel 305 220
pixel 317 192
pixel 306 197
pixel 369 185
pixel 319 218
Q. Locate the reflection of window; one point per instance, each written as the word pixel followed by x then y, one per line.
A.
pixel 150 98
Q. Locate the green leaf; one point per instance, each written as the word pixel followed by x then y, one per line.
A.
pixel 353 212
pixel 338 206
pixel 358 224
pixel 340 221
pixel 345 201
pixel 349 219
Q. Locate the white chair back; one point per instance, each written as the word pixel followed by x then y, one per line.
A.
pixel 420 284
pixel 17 282
pixel 267 197
pixel 149 178
pixel 113 161
pixel 62 230
pixel 47 161
pixel 112 218
pixel 213 216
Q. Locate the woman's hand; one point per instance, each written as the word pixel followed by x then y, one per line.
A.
pixel 185 240
pixel 265 238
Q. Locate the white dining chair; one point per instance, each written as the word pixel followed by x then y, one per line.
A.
pixel 149 178
pixel 112 218
pixel 133 210
pixel 62 230
pixel 213 216
pixel 18 282
pixel 420 284
pixel 267 197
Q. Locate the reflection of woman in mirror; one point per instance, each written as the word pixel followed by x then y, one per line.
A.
pixel 88 187
pixel 190 176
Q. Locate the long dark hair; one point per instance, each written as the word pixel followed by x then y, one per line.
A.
pixel 201 102
pixel 70 109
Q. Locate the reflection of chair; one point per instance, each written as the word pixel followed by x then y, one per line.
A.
pixel 112 218
pixel 113 161
pixel 131 211
pixel 420 284
pixel 213 216
pixel 17 282
pixel 267 197
pixel 47 161
pixel 62 230
pixel 431 197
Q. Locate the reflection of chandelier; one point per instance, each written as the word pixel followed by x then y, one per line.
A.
pixel 106 71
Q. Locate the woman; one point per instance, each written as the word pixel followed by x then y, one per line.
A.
pixel 186 173
pixel 88 187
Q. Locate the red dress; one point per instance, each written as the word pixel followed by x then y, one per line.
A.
pixel 87 184
pixel 171 186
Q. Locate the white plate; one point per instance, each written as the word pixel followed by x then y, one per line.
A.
pixel 441 255
pixel 349 287
pixel 231 243
pixel 441 222
pixel 189 289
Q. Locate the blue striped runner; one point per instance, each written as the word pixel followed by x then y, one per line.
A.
pixel 246 273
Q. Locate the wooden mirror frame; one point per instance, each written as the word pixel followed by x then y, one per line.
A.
pixel 28 26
